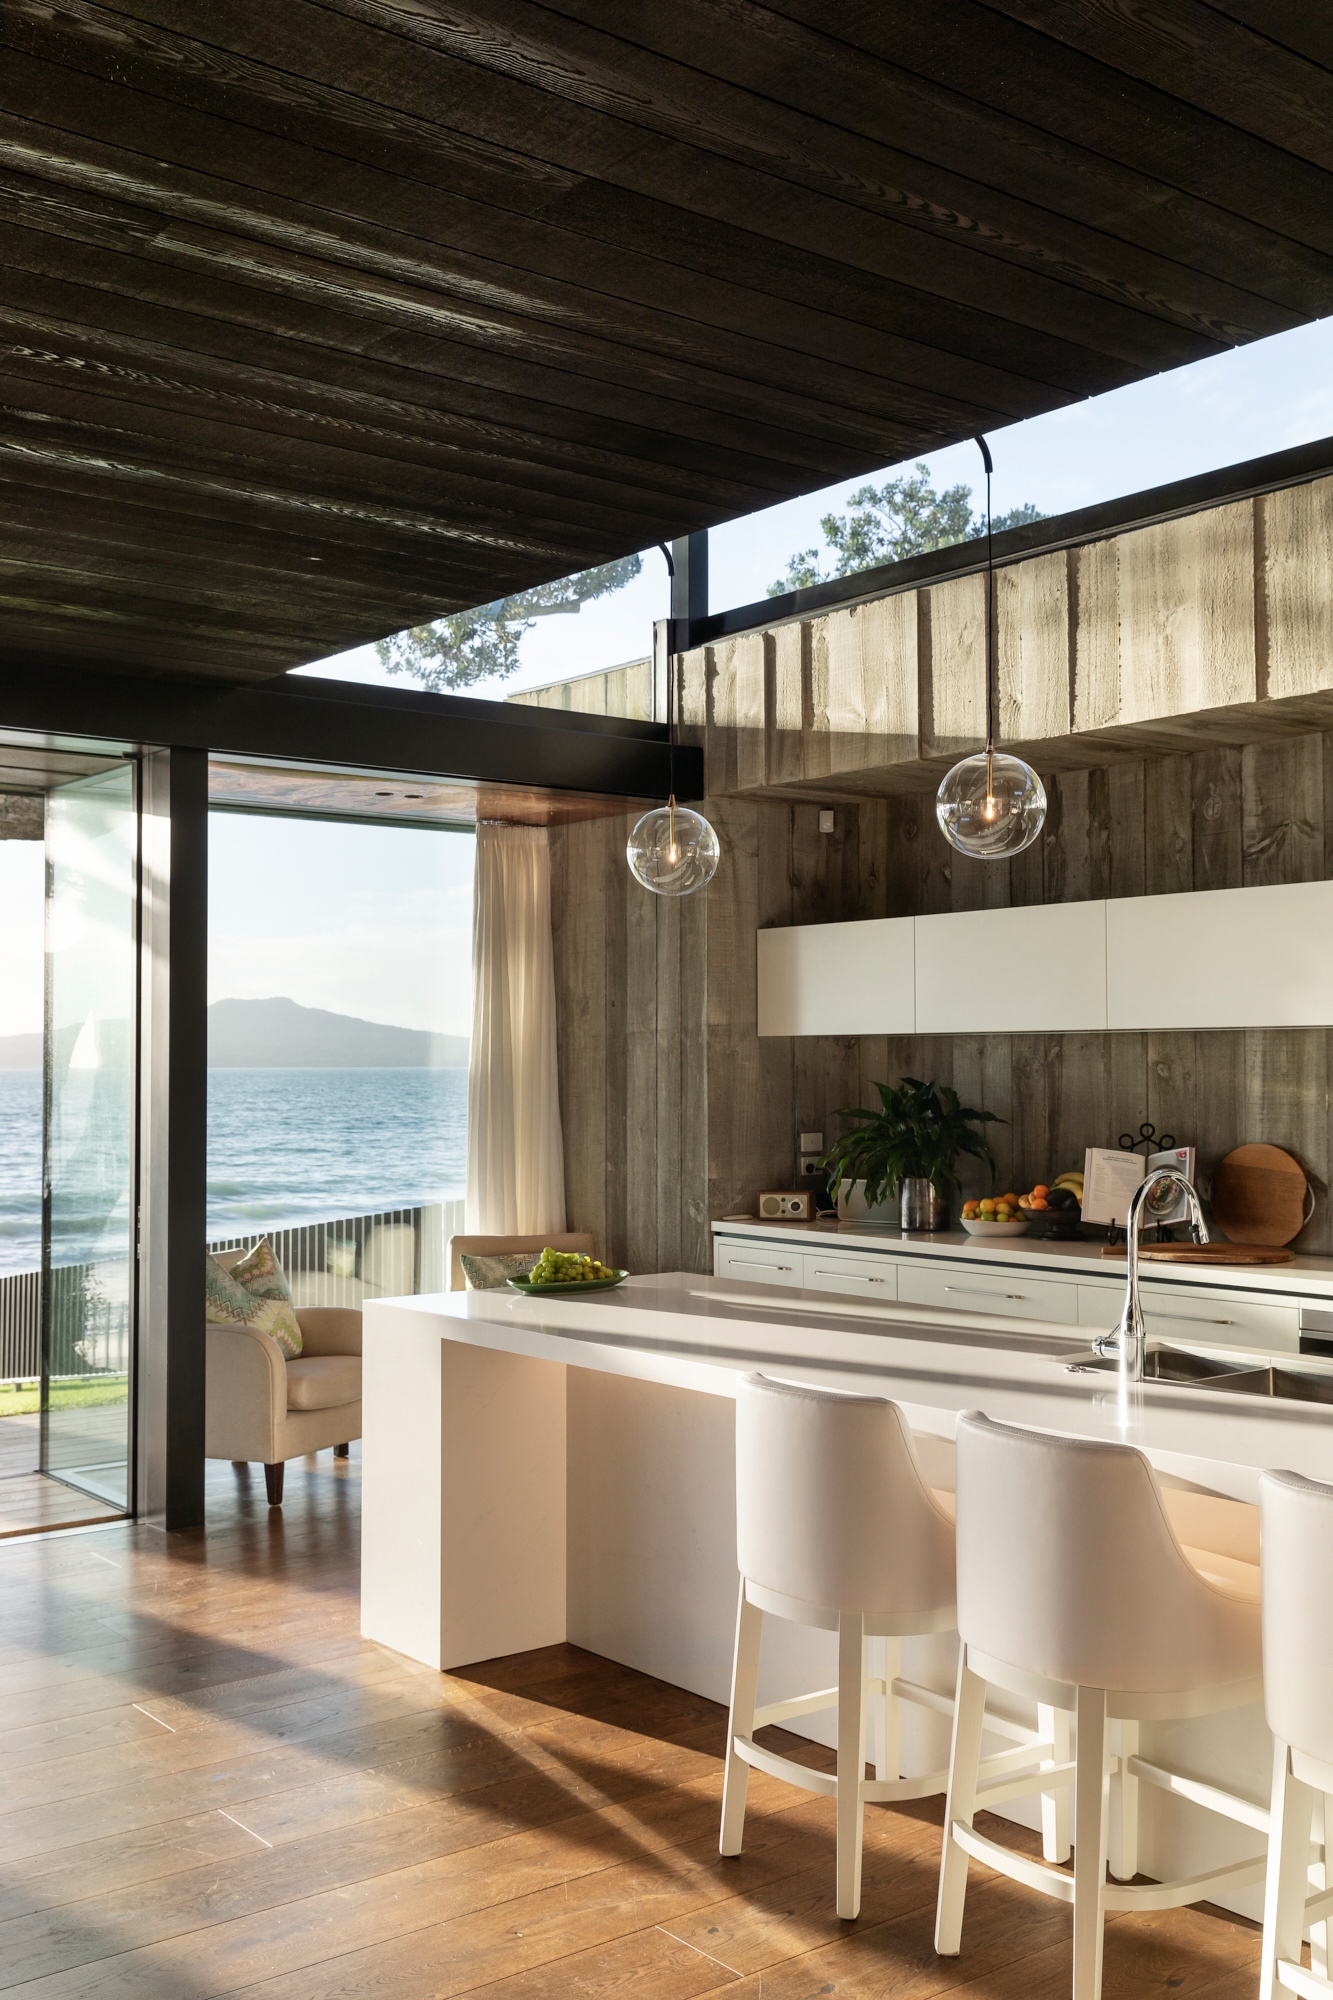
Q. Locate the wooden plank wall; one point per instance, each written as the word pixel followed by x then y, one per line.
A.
pixel 1218 819
pixel 676 1112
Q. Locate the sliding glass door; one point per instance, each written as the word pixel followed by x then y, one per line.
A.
pixel 89 1130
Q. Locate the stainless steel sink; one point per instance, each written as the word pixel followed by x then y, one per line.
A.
pixel 1238 1378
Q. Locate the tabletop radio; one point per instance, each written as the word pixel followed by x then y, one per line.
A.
pixel 787 1205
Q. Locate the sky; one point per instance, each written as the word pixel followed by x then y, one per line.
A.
pixel 1265 397
pixel 374 921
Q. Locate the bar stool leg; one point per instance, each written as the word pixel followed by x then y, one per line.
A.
pixel 740 1721
pixel 1288 1866
pixel 1091 1799
pixel 969 1711
pixel 888 1761
pixel 1053 1726
pixel 1125 1851
pixel 1319 1880
pixel 851 1757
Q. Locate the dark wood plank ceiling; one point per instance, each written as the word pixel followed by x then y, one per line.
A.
pixel 323 317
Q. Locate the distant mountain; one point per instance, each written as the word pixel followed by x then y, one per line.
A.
pixel 278 1034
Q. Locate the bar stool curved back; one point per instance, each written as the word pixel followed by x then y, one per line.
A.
pixel 1296 1523
pixel 1074 1592
pixel 836 1528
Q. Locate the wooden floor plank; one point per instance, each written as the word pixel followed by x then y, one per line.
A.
pixel 211 1785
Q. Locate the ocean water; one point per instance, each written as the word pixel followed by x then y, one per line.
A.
pixel 285 1146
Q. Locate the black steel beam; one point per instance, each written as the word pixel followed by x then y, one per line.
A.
pixel 186 1062
pixel 348 725
pixel 1269 474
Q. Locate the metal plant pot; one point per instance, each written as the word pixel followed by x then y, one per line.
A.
pixel 922 1207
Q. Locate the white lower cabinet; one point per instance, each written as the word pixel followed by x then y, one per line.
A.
pixel 868 1277
pixel 760 1264
pixel 1013 1292
pixel 1223 1320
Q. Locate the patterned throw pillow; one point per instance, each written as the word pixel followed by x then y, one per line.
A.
pixel 254 1293
pixel 483 1274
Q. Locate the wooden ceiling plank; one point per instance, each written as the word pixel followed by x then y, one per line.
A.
pixel 1217 66
pixel 718 332
pixel 341 333
pixel 980 52
pixel 1293 24
pixel 829 210
pixel 617 263
pixel 790 61
pixel 196 540
pixel 899 333
pixel 248 362
pixel 181 444
pixel 40 375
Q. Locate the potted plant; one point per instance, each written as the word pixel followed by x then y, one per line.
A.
pixel 910 1147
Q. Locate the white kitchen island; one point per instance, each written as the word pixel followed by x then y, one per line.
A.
pixel 536 1471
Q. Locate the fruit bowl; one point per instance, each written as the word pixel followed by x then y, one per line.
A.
pixel 980 1226
pixel 525 1284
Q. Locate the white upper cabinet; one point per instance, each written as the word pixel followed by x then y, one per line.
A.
pixel 1012 971
pixel 1222 958
pixel 838 979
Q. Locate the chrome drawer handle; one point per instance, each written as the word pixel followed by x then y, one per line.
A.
pixel 983 1292
pixel 1189 1319
pixel 851 1274
pixel 782 1267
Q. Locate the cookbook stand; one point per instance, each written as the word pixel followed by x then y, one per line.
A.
pixel 1152 1141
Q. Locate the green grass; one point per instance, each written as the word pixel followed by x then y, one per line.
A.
pixel 94 1393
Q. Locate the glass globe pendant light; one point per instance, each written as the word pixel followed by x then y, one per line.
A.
pixel 990 805
pixel 672 850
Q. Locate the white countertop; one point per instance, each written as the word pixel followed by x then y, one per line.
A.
pixel 1307 1277
pixel 699 1333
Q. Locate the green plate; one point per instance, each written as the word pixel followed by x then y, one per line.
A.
pixel 585 1285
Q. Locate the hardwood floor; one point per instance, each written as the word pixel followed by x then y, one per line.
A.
pixel 209 1785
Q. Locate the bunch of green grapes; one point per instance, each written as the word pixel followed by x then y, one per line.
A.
pixel 567 1267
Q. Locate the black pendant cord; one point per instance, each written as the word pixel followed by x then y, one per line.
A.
pixel 989 464
pixel 671 723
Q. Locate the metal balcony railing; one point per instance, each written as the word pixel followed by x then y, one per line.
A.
pixel 394 1254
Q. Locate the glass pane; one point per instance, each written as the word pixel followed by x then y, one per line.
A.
pixel 88 1221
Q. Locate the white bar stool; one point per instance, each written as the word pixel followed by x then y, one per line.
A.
pixel 836 1528
pixel 1074 1591
pixel 1296 1517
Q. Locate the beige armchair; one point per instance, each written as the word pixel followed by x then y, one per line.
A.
pixel 499 1246
pixel 260 1406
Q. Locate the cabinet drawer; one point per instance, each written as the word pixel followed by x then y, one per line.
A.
pixel 1173 1313
pixel 758 1264
pixel 868 1277
pixel 1013 1292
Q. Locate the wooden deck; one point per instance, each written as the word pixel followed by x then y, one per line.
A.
pixel 210 1785
pixel 29 1501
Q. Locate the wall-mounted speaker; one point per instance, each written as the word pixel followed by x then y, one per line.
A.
pixel 786 1205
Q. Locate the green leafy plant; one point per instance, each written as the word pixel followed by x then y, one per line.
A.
pixel 919 1133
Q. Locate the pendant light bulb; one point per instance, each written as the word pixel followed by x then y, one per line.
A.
pixel 672 851
pixel 990 805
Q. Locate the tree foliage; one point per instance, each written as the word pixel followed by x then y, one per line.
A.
pixel 904 517
pixel 483 644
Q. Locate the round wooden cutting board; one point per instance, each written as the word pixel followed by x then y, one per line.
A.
pixel 1259 1195
pixel 1215 1253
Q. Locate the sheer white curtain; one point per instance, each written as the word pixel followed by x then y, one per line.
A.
pixel 515 1161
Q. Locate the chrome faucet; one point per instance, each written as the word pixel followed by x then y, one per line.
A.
pixel 1125 1343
